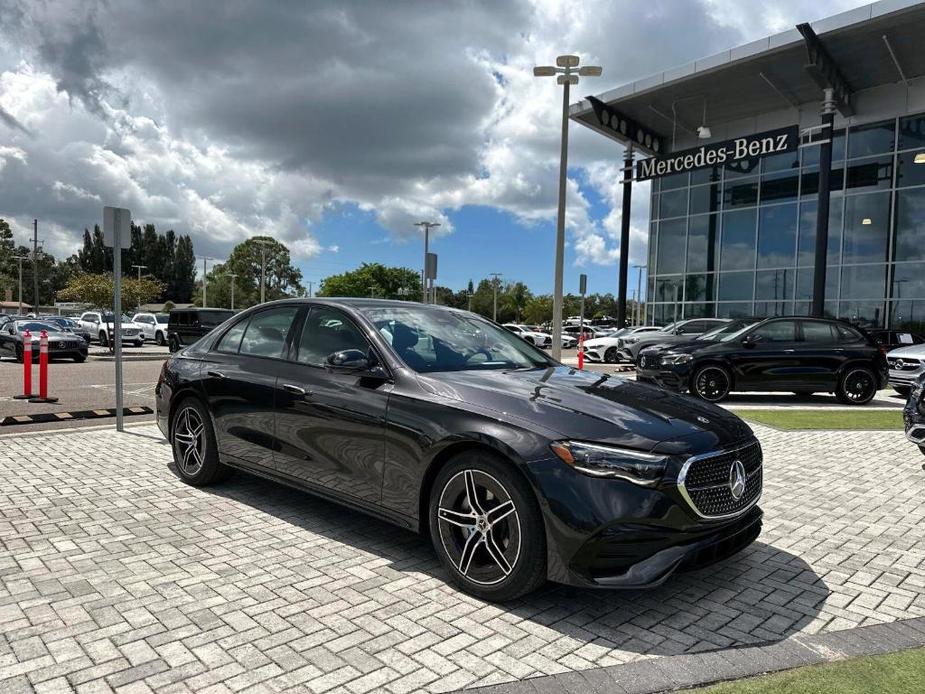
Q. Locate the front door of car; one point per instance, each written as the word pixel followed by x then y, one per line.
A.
pixel 239 376
pixel 330 423
pixel 768 356
pixel 821 355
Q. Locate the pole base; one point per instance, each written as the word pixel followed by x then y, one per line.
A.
pixel 23 397
pixel 43 400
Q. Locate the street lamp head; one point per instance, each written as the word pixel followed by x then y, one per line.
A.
pixel 590 71
pixel 544 71
pixel 567 61
pixel 567 79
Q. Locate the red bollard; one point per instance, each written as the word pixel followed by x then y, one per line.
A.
pixel 27 367
pixel 581 354
pixel 43 371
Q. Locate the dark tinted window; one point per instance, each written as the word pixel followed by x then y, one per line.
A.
pixel 327 331
pixel 180 318
pixel 266 333
pixel 231 340
pixel 817 331
pixel 209 319
pixel 848 334
pixel 777 331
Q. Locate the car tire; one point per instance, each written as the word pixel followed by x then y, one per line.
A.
pixel 903 390
pixel 80 358
pixel 922 449
pixel 496 557
pixel 19 354
pixel 857 386
pixel 610 356
pixel 711 383
pixel 104 339
pixel 159 339
pixel 174 345
pixel 139 343
pixel 192 440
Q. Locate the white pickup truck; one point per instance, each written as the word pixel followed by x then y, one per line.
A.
pixel 100 325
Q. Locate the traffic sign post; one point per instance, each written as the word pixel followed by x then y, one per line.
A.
pixel 117 234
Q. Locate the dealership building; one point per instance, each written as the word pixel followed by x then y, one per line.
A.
pixel 731 146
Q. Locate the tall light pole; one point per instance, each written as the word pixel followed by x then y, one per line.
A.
pixel 35 263
pixel 426 226
pixel 20 258
pixel 263 243
pixel 496 280
pixel 567 73
pixel 205 280
pixel 232 276
pixel 139 268
pixel 638 269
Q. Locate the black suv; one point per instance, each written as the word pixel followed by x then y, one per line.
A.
pixel 188 325
pixel 791 354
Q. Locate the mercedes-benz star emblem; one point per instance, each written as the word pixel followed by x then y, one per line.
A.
pixel 737 480
pixel 899 363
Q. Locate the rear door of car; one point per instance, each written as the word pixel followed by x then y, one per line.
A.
pixel 331 424
pixel 821 354
pixel 239 376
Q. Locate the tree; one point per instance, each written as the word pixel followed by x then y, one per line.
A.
pixel 283 279
pixel 374 279
pixel 182 277
pixel 538 310
pixel 94 257
pixel 9 266
pixel 97 290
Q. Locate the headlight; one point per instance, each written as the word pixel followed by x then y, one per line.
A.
pixel 631 340
pixel 644 469
pixel 672 359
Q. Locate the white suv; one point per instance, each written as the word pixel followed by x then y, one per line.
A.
pixel 153 326
pixel 100 325
pixel 906 365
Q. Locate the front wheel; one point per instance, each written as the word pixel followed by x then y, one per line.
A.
pixel 19 354
pixel 159 339
pixel 195 452
pixel 174 345
pixel 610 356
pixel 711 383
pixel 104 339
pixel 486 528
pixel 857 387
pixel 80 358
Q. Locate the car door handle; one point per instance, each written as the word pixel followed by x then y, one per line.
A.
pixel 216 374
pixel 789 351
pixel 296 390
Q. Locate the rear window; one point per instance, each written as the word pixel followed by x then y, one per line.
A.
pixel 848 334
pixel 209 319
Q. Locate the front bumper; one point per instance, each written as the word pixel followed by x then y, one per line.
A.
pixel 610 533
pixel 675 378
pixel 904 378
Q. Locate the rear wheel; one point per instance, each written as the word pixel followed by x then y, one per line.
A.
pixel 104 339
pixel 19 354
pixel 711 383
pixel 486 528
pixel 195 452
pixel 857 387
pixel 174 344
pixel 159 339
pixel 610 356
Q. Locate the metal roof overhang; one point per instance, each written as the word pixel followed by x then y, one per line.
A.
pixel 770 74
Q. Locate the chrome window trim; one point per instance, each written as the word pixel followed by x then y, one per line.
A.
pixel 682 477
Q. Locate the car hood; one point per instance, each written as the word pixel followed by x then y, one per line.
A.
pixel 562 402
pixel 911 351
pixel 601 342
pixel 688 346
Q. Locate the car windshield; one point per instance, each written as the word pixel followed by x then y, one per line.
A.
pixel 430 340
pixel 162 318
pixel 669 327
pixel 729 336
pixel 731 328
pixel 34 327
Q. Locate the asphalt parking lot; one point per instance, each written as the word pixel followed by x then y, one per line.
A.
pixel 118 576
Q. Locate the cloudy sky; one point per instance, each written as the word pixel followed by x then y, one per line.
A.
pixel 334 126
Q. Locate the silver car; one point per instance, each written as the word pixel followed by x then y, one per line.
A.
pixel 906 365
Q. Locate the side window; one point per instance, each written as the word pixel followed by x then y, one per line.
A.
pixel 266 332
pixel 778 331
pixel 231 341
pixel 691 328
pixel 818 332
pixel 181 318
pixel 327 331
pixel 849 334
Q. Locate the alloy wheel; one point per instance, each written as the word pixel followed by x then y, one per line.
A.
pixel 712 384
pixel 610 356
pixel 189 441
pixel 479 527
pixel 859 386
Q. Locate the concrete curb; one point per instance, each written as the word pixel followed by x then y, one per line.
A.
pixel 48 417
pixel 669 673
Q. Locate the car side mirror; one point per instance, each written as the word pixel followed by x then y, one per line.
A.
pixel 354 361
pixel 750 340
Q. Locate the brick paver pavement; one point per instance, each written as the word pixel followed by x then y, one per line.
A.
pixel 115 575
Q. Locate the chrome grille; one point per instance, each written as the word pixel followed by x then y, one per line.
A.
pixel 704 481
pixel 903 364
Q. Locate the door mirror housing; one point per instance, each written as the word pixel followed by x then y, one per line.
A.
pixel 355 361
pixel 750 340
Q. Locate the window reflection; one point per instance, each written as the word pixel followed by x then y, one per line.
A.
pixel 867 219
pixel 671 245
pixel 738 240
pixel 777 236
pixel 701 243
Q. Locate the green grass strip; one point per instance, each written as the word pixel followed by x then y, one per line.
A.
pixel 801 419
pixel 894 673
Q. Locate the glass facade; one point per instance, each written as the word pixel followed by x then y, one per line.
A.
pixel 741 242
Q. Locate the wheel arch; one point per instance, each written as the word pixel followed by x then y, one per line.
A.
pixel 449 450
pixel 185 392
pixel 712 361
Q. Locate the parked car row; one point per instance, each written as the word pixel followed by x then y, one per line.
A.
pixel 62 342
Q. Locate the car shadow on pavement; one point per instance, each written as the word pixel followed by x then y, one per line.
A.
pixel 763 594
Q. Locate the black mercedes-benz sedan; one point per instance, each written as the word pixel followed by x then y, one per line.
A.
pixel 518 468
pixel 61 342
